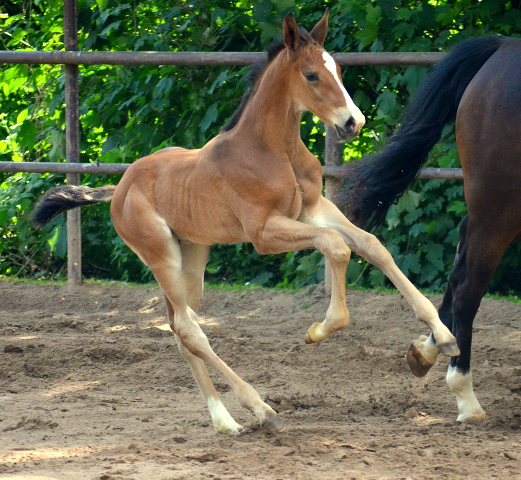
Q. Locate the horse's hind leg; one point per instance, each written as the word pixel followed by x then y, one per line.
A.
pixel 480 249
pixel 194 262
pixel 473 269
pixel 479 252
pixel 155 244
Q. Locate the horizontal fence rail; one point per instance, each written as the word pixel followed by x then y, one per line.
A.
pixel 328 171
pixel 66 168
pixel 204 58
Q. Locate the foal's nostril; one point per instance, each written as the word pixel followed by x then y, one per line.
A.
pixel 350 125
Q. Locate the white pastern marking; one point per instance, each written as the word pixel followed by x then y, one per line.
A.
pixel 331 66
pixel 461 385
pixel 222 420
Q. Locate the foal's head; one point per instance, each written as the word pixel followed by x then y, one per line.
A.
pixel 316 80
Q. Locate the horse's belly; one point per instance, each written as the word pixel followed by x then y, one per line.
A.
pixel 210 236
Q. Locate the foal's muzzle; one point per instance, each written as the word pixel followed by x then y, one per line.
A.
pixel 349 130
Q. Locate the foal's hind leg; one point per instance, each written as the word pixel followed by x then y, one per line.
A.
pixel 194 263
pixel 185 325
pixel 155 244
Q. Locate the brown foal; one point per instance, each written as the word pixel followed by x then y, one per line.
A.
pixel 255 182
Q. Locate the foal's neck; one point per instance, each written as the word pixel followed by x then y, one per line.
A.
pixel 272 116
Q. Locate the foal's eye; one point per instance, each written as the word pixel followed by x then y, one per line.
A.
pixel 311 77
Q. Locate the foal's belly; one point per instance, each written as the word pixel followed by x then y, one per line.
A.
pixel 200 217
pixel 207 232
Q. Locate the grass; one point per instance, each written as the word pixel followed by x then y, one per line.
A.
pixel 508 298
pixel 389 290
pixel 226 287
pixel 31 281
pixel 514 298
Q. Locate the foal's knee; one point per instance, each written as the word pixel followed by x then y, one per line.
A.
pixel 341 253
pixel 334 248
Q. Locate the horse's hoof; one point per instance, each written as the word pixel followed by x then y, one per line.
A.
pixel 478 417
pixel 273 425
pixel 418 364
pixel 450 350
pixel 232 429
pixel 308 339
pixel 225 424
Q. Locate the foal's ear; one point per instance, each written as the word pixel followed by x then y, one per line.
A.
pixel 290 33
pixel 319 32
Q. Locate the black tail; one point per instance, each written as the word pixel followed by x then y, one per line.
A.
pixel 60 199
pixel 376 182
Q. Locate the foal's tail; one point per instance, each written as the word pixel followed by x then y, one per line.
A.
pixel 375 184
pixel 60 199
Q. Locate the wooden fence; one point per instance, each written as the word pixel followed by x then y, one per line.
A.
pixel 71 58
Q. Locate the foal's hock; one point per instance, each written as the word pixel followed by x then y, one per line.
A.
pixel 255 182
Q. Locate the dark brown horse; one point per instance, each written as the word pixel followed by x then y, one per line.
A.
pixel 255 182
pixel 479 85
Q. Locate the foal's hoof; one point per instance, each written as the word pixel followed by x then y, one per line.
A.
pixel 418 364
pixel 450 350
pixel 472 418
pixel 308 340
pixel 312 336
pixel 273 425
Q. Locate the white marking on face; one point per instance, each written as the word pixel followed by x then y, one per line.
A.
pixel 331 66
pixel 461 386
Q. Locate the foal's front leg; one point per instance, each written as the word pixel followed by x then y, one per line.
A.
pixel 369 247
pixel 281 234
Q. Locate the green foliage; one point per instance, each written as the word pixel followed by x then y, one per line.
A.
pixel 128 112
pixel 25 251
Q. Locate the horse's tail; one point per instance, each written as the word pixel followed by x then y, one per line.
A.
pixel 374 184
pixel 60 199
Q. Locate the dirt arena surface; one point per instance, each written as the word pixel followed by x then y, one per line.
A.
pixel 92 387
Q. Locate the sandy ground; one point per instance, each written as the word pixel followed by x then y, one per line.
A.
pixel 92 387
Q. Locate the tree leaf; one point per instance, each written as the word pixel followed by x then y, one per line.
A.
pixel 210 117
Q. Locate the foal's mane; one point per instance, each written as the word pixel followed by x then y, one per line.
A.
pixel 255 73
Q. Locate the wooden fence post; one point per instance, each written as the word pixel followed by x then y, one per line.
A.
pixel 334 157
pixel 72 133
